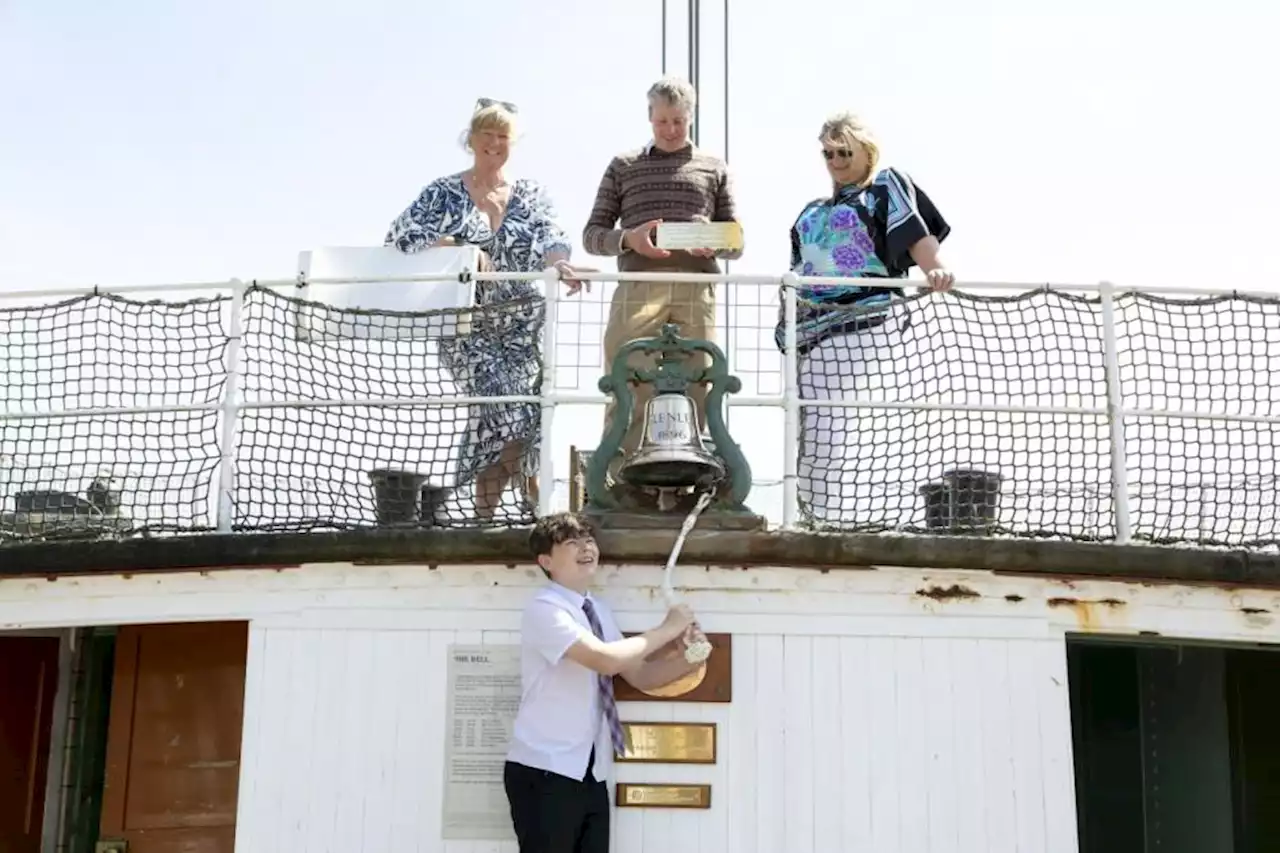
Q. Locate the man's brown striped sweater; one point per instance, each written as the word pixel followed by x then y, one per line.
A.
pixel 653 184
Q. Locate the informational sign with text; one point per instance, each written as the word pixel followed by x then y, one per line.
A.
pixel 482 700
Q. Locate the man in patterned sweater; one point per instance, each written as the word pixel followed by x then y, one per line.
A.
pixel 670 180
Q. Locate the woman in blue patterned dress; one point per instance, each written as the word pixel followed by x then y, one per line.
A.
pixel 514 225
pixel 876 224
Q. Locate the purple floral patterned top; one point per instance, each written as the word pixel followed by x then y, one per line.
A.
pixel 859 233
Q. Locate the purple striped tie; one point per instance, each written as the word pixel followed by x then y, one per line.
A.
pixel 605 683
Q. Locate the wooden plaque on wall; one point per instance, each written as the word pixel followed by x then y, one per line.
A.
pixel 711 682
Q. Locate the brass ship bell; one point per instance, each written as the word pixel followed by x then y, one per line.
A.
pixel 672 454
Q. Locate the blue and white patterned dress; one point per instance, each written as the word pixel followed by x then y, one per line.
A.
pixel 502 356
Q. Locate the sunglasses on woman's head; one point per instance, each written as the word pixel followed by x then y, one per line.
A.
pixel 831 154
pixel 484 103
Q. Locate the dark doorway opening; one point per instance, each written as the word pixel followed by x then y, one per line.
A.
pixel 1176 747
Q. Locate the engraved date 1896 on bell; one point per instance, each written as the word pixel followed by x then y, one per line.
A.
pixel 672 454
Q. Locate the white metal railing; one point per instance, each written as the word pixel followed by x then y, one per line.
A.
pixel 232 406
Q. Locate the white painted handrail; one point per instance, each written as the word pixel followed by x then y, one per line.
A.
pixel 235 403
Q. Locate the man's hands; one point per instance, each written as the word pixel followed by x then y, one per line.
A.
pixel 640 240
pixel 702 253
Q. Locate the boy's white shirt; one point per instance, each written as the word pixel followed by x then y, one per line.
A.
pixel 560 717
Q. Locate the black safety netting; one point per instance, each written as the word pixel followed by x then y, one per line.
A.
pixel 109 416
pixel 911 457
pixel 413 454
pixel 1203 431
pixel 970 414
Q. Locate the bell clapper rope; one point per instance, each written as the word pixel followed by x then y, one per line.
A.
pixel 698 650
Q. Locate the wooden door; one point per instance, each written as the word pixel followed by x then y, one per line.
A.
pixel 173 740
pixel 28 682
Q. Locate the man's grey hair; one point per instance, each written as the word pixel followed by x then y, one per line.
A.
pixel 675 91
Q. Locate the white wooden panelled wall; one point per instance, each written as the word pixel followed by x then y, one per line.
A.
pixel 831 743
pixel 865 716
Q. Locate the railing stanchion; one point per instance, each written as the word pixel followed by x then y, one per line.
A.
pixel 1115 415
pixel 790 403
pixel 230 410
pixel 546 459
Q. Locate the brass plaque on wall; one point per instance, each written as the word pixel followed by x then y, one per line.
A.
pixel 631 795
pixel 710 682
pixel 673 743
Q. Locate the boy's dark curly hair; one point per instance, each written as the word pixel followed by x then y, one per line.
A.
pixel 552 530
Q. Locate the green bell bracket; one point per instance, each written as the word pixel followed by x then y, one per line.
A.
pixel 725 468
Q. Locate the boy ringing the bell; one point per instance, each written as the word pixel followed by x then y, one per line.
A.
pixel 567 730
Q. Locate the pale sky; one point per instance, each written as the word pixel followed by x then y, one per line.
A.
pixel 144 142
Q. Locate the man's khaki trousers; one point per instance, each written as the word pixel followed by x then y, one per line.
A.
pixel 639 310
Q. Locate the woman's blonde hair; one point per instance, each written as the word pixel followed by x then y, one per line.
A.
pixel 493 116
pixel 848 129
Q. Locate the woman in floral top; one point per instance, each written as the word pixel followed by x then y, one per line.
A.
pixel 875 225
pixel 515 225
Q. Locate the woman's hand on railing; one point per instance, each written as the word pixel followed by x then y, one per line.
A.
pixel 940 279
pixel 573 277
